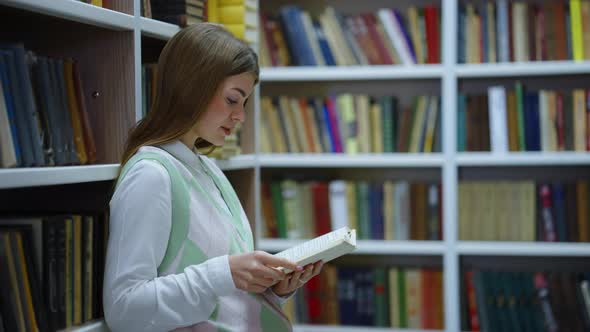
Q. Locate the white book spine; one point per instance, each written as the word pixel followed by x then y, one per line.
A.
pixel 497 110
pixel 338 204
pixel 544 120
pixel 502 33
pixel 402 211
pixel 393 31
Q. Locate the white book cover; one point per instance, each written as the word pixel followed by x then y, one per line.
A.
pixel 338 204
pixel 544 120
pixel 394 32
pixel 402 210
pixel 498 122
pixel 322 248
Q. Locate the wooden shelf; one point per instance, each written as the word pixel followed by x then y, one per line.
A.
pixel 500 248
pixel 515 69
pixel 338 160
pixel 367 247
pixel 523 158
pixel 157 29
pixel 350 73
pixel 76 11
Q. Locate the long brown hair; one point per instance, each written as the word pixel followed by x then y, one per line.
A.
pixel 191 68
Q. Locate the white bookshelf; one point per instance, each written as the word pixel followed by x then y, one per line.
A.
pixel 76 11
pixel 350 73
pixel 448 73
pixel 334 160
pixel 95 326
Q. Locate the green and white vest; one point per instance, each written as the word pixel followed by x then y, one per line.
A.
pixel 196 238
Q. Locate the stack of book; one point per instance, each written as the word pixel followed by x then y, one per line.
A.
pixel 525 301
pixel 179 12
pixel 60 288
pixel 350 124
pixel 388 36
pixel 385 210
pixel 395 297
pixel 521 120
pixel 524 211
pixel 43 111
pixel 238 16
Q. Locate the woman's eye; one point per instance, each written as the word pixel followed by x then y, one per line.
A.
pixel 231 101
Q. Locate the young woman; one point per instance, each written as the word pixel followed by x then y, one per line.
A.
pixel 180 254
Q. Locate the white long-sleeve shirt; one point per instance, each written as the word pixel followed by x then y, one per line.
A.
pixel 135 297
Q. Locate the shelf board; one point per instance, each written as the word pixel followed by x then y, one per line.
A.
pixel 46 176
pixel 339 160
pixel 523 158
pixel 94 326
pixel 350 73
pixel 157 29
pixel 328 328
pixel 367 247
pixel 548 249
pixel 76 11
pixel 238 162
pixel 513 69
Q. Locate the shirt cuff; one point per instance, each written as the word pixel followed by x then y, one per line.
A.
pixel 280 300
pixel 220 275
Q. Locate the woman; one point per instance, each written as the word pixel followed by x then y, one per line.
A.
pixel 180 253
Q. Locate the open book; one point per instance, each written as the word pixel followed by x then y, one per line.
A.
pixel 325 248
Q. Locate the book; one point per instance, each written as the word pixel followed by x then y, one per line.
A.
pixel 323 248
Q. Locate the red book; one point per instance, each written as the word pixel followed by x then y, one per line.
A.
pixel 314 300
pixel 471 302
pixel 321 208
pixel 546 214
pixel 432 34
pixel 334 127
pixel 371 24
pixel 273 49
pixel 560 122
pixel 588 120
pixel 428 300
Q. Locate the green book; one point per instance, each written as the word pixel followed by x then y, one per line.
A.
pixel 381 298
pixel 401 284
pixel 461 123
pixel 520 115
pixel 277 205
pixel 387 123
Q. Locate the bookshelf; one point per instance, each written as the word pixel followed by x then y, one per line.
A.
pixel 123 31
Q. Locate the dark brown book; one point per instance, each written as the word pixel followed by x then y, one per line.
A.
pixel 484 124
pixel 571 212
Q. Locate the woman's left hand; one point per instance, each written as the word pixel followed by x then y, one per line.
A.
pixel 297 279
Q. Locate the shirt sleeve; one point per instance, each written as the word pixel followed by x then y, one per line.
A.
pixel 278 299
pixel 135 298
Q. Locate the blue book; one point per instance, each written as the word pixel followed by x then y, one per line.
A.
pixel 296 38
pixel 22 125
pixel 28 107
pixel 324 46
pixel 406 34
pixel 329 127
pixel 8 98
pixel 461 35
pixel 347 296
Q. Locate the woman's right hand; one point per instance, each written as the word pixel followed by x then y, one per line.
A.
pixel 256 271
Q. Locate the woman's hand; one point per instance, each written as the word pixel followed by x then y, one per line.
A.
pixel 297 279
pixel 256 271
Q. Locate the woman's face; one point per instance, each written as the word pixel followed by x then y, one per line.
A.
pixel 226 109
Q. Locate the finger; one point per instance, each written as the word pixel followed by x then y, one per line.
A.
pixel 269 272
pixel 317 268
pixel 294 282
pixel 271 260
pixel 266 282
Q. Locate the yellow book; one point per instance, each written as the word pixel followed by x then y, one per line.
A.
pixel 212 11
pixel 431 124
pixel 345 104
pixel 388 214
pixel 237 15
pixel 69 271
pixel 315 132
pixel 376 128
pixel 14 281
pixel 529 207
pixel 77 315
pixel 287 116
pixel 394 308
pixel 300 128
pixel 75 112
pixel 576 30
pixel 414 298
pixel 96 3
pixel 414 26
pixel 351 205
pixel 363 124
pixel 579 115
pixel 586 28
pixel 241 31
pixel 252 4
pixel 277 135
pixel 418 124
pixel 26 297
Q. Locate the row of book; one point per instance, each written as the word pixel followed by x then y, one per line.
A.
pixel 362 296
pixel 388 36
pixel 378 211
pixel 524 211
pixel 58 285
pixel 521 120
pixel 502 30
pixel 238 16
pixel 43 111
pixel 351 124
pixel 99 3
pixel 525 301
